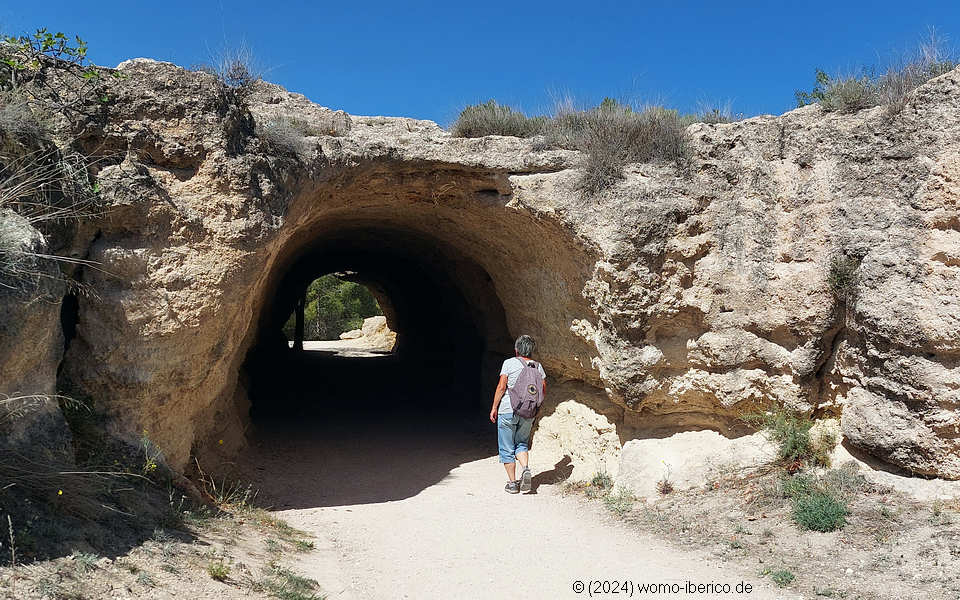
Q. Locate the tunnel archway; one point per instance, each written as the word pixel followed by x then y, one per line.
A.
pixel 450 325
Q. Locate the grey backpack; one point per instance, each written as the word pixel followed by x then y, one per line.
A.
pixel 526 395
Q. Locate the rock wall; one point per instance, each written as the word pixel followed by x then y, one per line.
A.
pixel 672 302
pixel 31 423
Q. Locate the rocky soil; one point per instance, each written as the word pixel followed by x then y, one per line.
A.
pixel 893 546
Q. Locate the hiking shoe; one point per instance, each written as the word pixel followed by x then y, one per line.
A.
pixel 526 480
pixel 512 487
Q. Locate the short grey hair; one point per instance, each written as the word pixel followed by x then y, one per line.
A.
pixel 525 346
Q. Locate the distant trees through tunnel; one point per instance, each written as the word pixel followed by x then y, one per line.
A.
pixel 332 305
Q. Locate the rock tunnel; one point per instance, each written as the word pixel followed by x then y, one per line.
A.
pixel 678 295
pixel 194 352
pixel 451 327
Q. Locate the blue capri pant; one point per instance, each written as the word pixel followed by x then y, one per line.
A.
pixel 513 435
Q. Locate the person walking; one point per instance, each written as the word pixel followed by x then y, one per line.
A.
pixel 520 393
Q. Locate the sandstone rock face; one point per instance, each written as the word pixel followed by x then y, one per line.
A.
pixel 31 422
pixel 679 298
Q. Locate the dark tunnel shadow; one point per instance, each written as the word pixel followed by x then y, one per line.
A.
pixel 354 457
pixel 363 430
pixel 330 429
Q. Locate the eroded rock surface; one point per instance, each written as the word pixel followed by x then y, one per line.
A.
pixel 679 297
pixel 689 460
pixel 31 424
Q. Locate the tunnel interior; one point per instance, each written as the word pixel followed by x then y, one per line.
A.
pixel 450 325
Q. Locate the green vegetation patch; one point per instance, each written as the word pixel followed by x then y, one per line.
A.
pixel 334 305
pixel 820 511
pixel 820 503
pixel 280 582
pixel 492 118
pixel 791 433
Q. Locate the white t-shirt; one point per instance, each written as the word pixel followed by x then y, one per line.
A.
pixel 511 368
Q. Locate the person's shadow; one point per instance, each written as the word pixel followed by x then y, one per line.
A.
pixel 558 474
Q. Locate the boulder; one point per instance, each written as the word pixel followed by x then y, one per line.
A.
pixel 575 434
pixel 690 459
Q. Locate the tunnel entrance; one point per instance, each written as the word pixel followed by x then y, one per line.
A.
pixel 451 333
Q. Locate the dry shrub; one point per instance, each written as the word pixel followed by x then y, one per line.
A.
pixel 19 121
pixel 288 133
pixel 848 94
pixel 611 135
pixel 491 118
pixel 905 75
pixel 38 188
pixel 614 136
pixel 714 113
pixel 235 69
pixel 664 487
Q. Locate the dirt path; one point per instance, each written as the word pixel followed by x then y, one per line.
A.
pixel 417 510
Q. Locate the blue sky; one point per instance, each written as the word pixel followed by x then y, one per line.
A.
pixel 429 59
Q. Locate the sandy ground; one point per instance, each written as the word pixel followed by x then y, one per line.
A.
pixel 344 348
pixel 414 507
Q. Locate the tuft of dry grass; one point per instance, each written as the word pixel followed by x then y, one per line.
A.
pixel 492 118
pixel 288 133
pixel 235 69
pixel 888 87
pixel 610 135
pixel 616 135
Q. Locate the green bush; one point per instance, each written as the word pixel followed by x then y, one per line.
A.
pixel 218 570
pixel 820 511
pixel 619 501
pixel 820 503
pixel 798 485
pixel 850 94
pixel 51 71
pixel 782 578
pixel 791 433
pixel 333 306
pixel 602 480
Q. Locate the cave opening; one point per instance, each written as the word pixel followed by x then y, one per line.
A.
pixel 450 332
pixel 334 427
